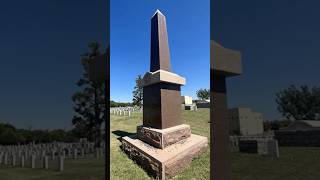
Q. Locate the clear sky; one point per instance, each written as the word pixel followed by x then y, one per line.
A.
pixel 40 44
pixel 279 41
pixel 188 25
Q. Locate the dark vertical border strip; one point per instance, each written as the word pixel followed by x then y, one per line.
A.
pixel 220 156
pixel 211 96
pixel 107 98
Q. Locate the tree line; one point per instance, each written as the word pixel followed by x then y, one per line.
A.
pixel 120 104
pixel 10 135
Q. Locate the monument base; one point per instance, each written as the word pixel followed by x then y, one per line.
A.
pixel 167 162
pixel 161 138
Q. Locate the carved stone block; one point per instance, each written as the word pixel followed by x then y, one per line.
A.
pixel 167 162
pixel 161 138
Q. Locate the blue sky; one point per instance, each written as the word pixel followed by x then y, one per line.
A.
pixel 41 43
pixel 279 41
pixel 188 25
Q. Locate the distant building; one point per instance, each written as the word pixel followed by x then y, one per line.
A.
pixel 303 125
pixel 202 103
pixel 243 121
pixel 187 103
pixel 187 100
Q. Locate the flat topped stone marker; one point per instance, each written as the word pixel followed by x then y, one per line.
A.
pixel 223 63
pixel 163 145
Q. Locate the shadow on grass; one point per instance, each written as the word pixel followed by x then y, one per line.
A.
pixel 121 134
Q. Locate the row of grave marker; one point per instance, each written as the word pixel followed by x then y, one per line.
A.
pixel 13 153
pixel 260 145
pixel 4 159
pixel 120 112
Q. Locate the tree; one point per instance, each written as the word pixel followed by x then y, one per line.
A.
pixel 276 124
pixel 299 103
pixel 119 104
pixel 89 101
pixel 137 93
pixel 203 94
pixel 9 135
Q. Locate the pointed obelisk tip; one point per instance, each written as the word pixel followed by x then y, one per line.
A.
pixel 157 11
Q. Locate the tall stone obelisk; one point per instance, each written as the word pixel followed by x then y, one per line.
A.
pixel 161 88
pixel 163 145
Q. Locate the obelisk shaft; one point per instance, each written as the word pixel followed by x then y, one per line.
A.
pixel 161 100
pixel 160 54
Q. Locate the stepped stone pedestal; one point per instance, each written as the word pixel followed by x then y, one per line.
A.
pixel 167 162
pixel 161 138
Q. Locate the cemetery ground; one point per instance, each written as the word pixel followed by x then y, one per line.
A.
pixel 124 168
pixel 79 169
pixel 294 163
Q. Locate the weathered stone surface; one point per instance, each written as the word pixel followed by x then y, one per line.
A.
pixel 162 105
pixel 167 162
pixel 150 136
pixel 162 138
pixel 268 147
pixel 151 165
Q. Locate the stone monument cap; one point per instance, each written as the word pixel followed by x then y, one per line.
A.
pixel 224 61
pixel 161 76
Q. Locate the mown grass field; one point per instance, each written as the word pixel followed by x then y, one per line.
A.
pixel 80 169
pixel 124 168
pixel 294 163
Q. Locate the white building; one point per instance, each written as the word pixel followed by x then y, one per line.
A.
pixel 243 121
pixel 187 100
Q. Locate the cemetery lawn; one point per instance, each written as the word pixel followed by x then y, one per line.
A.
pixel 80 169
pixel 124 168
pixel 294 163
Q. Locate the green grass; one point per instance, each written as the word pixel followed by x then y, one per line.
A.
pixel 294 163
pixel 124 168
pixel 80 169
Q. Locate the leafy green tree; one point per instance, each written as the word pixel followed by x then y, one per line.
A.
pixel 203 94
pixel 137 93
pixel 58 135
pixel 9 137
pixel 89 101
pixel 299 103
pixel 119 104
